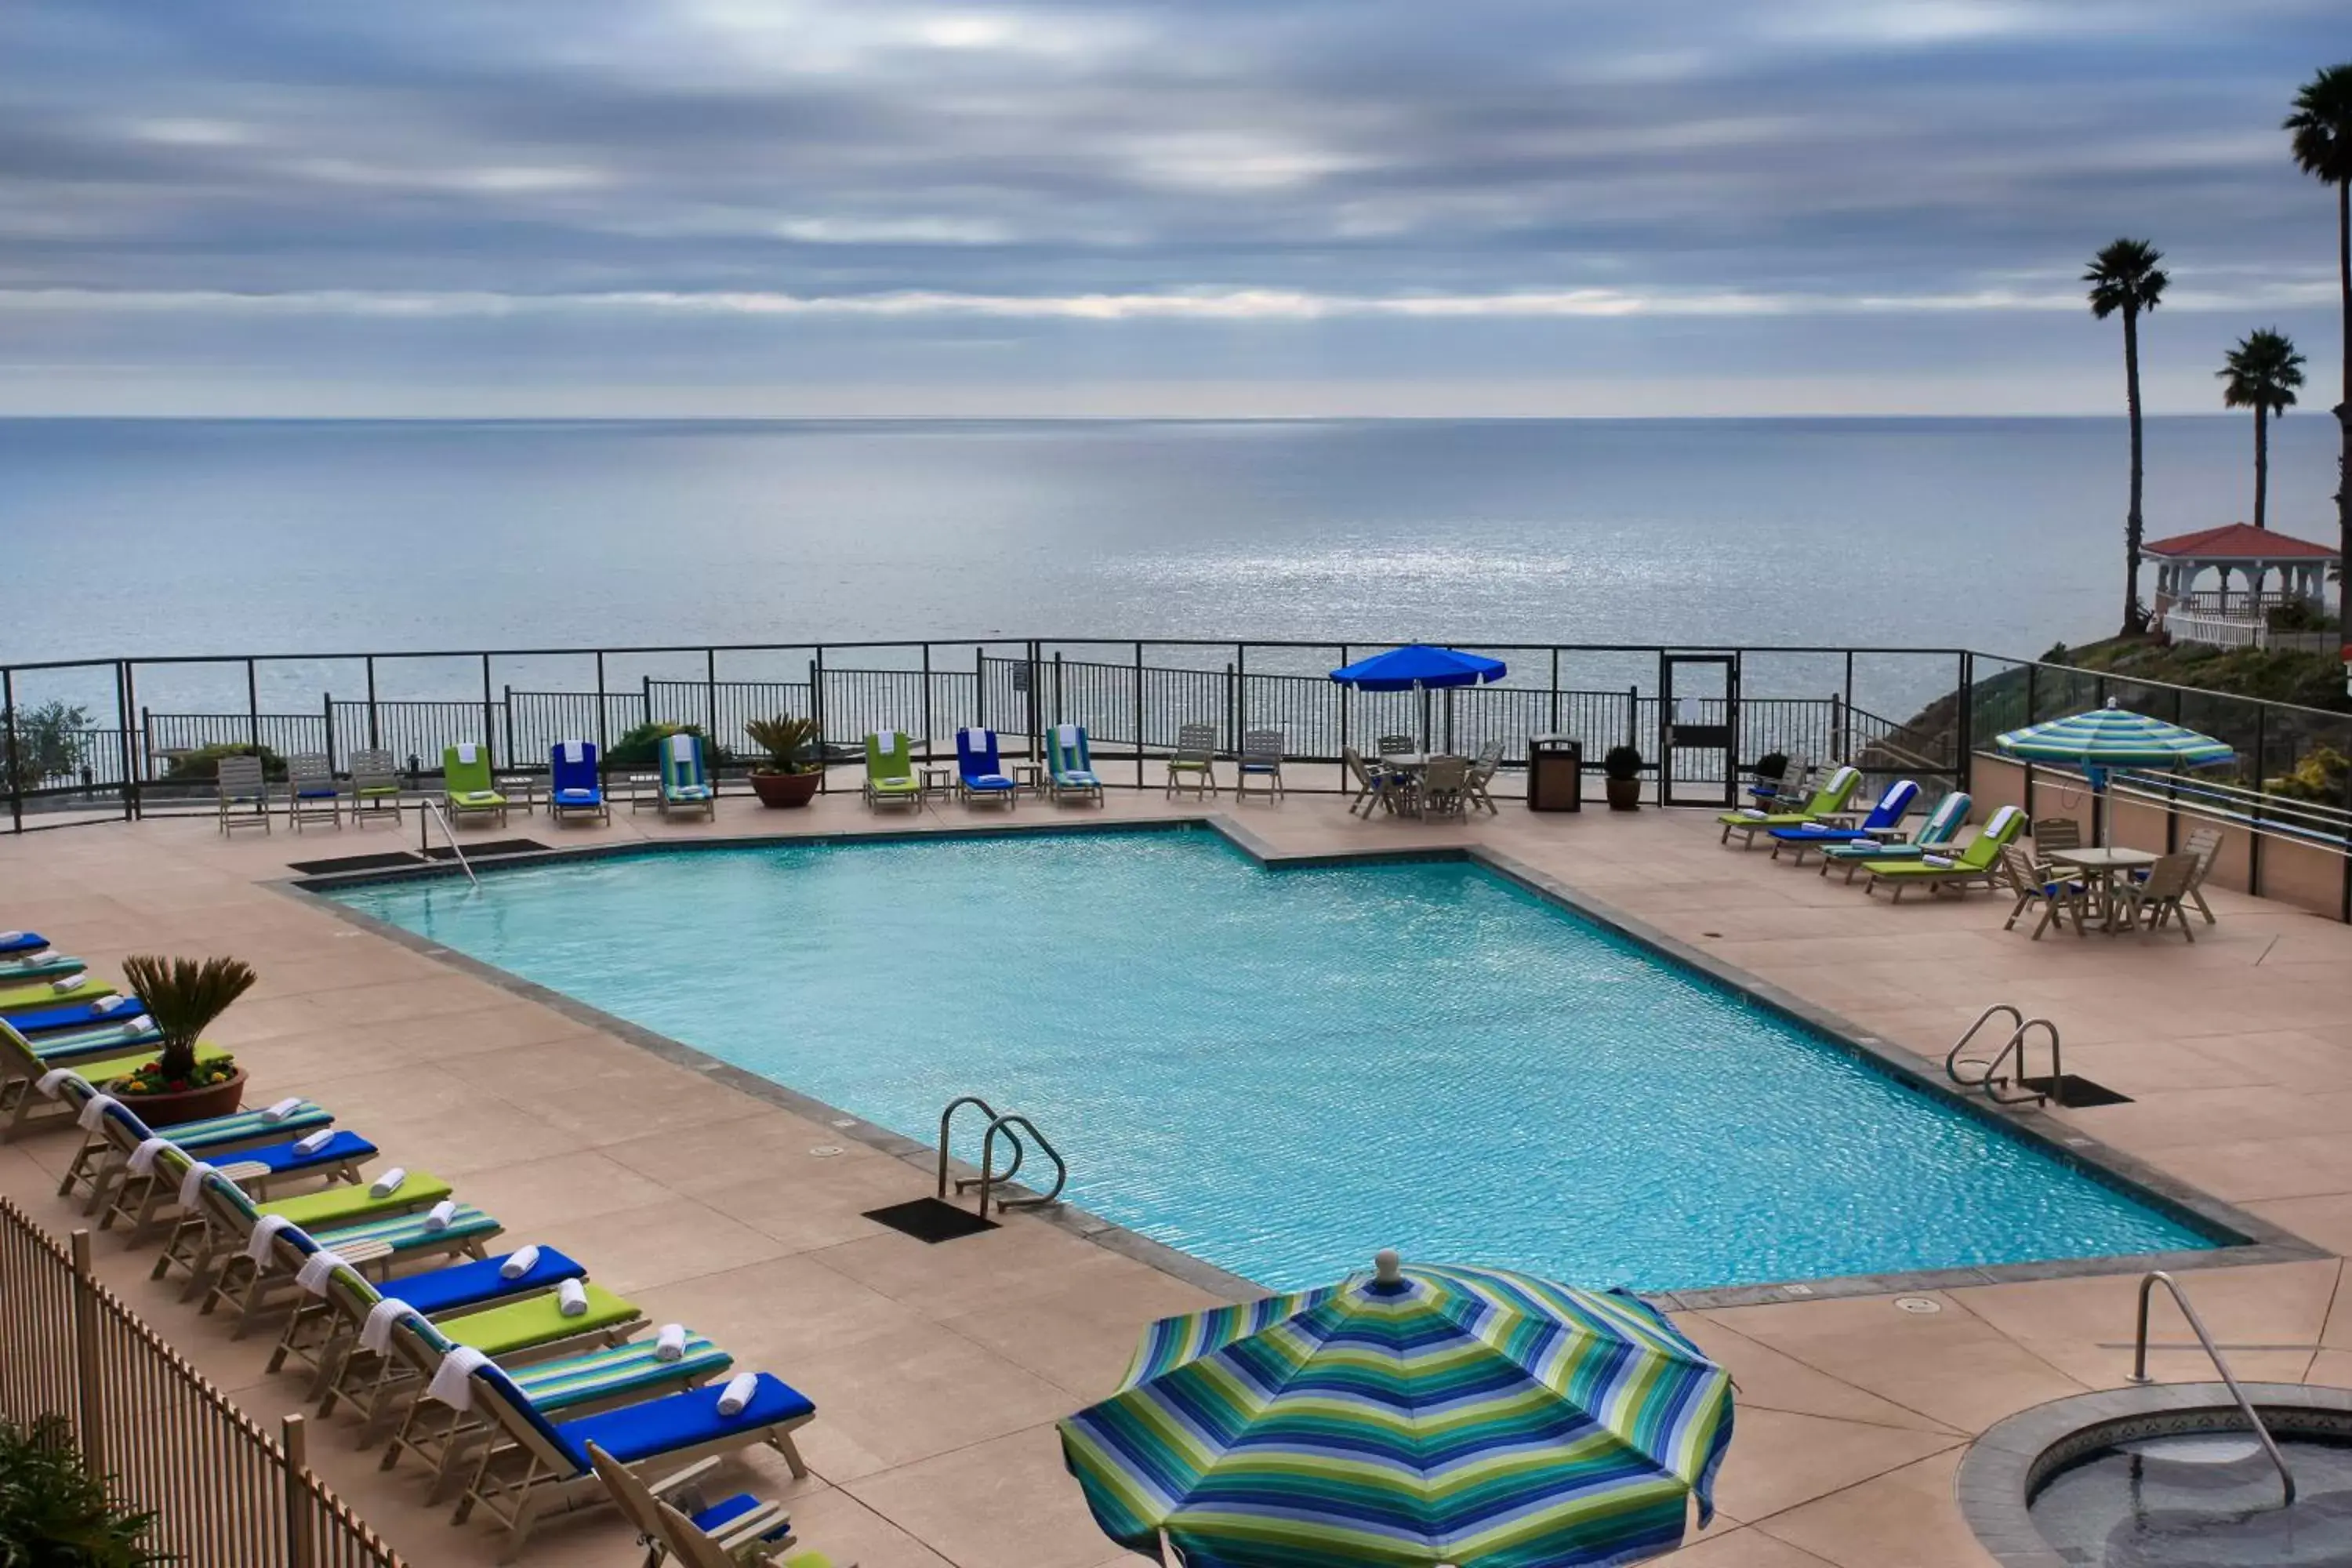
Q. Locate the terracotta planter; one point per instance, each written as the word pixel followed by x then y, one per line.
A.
pixel 187 1104
pixel 785 790
pixel 1624 795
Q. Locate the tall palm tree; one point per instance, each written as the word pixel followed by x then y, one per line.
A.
pixel 2262 373
pixel 2322 124
pixel 2125 277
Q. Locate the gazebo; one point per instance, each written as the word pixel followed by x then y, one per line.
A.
pixel 2237 615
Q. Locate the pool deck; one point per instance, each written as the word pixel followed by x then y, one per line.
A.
pixel 938 1372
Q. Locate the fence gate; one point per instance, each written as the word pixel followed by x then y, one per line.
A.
pixel 1698 728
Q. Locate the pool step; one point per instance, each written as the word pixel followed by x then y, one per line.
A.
pixel 990 1180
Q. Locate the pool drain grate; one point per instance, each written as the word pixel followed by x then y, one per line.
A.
pixel 2074 1093
pixel 351 863
pixel 930 1220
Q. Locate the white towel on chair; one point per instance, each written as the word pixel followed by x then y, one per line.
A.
pixel 465 754
pixel 1067 734
pixel 571 1298
pixel 315 1142
pixel 1754 813
pixel 11 936
pixel 681 748
pixel 670 1343
pixel 576 751
pixel 453 1380
pixel 193 1183
pixel 519 1262
pixel 265 1231
pixel 738 1393
pixel 438 1216
pixel 109 1004
pixel 52 1083
pixel 375 1334
pixel 142 1158
pixel 388 1183
pixel 133 1029
pixel 316 1269
pixel 281 1111
pixel 1941 862
pixel 94 1114
pixel 65 983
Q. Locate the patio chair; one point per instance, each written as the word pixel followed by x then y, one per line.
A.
pixel 1261 758
pixel 2055 835
pixel 1941 829
pixel 1070 767
pixel 1796 775
pixel 375 787
pixel 532 1463
pixel 890 772
pixel 742 1529
pixel 686 783
pixel 1482 773
pixel 1443 789
pixel 1376 783
pixel 2033 885
pixel 1976 863
pixel 697 1548
pixel 1826 804
pixel 2205 844
pixel 243 793
pixel 311 792
pixel 2150 904
pixel 1195 760
pixel 466 786
pixel 1885 818
pixel 1397 746
pixel 576 782
pixel 979 776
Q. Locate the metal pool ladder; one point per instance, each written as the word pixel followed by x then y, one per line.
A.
pixel 990 1178
pixel 426 808
pixel 1977 1072
pixel 2147 1284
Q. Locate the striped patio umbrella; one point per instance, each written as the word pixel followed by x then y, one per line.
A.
pixel 1407 1418
pixel 2108 738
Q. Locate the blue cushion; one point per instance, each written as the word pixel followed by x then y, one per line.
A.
pixel 680 1421
pixel 986 781
pixel 579 797
pixel 712 1520
pixel 80 1015
pixel 470 1284
pixel 283 1157
pixel 31 941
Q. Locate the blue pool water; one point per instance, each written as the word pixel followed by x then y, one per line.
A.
pixel 1283 1071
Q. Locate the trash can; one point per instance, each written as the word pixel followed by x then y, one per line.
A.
pixel 1555 773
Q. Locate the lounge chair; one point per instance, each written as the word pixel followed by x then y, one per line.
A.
pixel 575 785
pixel 39 997
pixel 1069 766
pixel 1827 804
pixel 375 787
pixel 465 785
pixel 1482 770
pixel 99 1163
pixel 1796 775
pixel 743 1529
pixel 2163 895
pixel 532 1463
pixel 2033 884
pixel 147 1179
pixel 22 943
pixel 318 1334
pixel 685 780
pixel 76 1016
pixel 48 965
pixel 1375 783
pixel 1885 818
pixel 97 1058
pixel 890 771
pixel 1941 829
pixel 1974 864
pixel 1261 758
pixel 978 775
pixel 311 792
pixel 1194 760
pixel 243 793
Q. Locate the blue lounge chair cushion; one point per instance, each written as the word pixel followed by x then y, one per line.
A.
pixel 679 1421
pixel 24 942
pixel 470 1284
pixel 713 1519
pixel 330 793
pixel 986 781
pixel 280 1158
pixel 79 1015
pixel 580 798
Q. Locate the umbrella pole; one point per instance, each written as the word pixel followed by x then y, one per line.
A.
pixel 1425 714
pixel 1449 721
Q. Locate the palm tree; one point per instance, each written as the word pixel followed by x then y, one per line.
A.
pixel 2262 373
pixel 2125 277
pixel 2322 124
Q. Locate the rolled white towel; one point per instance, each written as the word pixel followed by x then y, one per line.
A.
pixel 7 936
pixel 571 1298
pixel 738 1393
pixel 315 1142
pixel 93 1113
pixel 65 983
pixel 193 1183
pixel 383 1186
pixel 142 1158
pixel 52 1083
pixel 1941 862
pixel 453 1380
pixel 133 1029
pixel 438 1216
pixel 375 1334
pixel 1754 812
pixel 265 1231
pixel 282 1110
pixel 519 1262
pixel 670 1343
pixel 317 1269
pixel 109 1004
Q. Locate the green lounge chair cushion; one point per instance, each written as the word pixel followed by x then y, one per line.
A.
pixel 478 797
pixel 518 1325
pixel 894 786
pixel 339 1205
pixel 40 995
pixel 1778 819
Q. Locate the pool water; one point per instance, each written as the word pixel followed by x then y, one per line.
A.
pixel 2200 1501
pixel 1282 1071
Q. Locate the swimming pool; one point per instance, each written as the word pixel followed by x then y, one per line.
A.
pixel 1283 1070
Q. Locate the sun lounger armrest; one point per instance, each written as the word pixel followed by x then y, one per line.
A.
pixel 685 1478
pixel 363 1251
pixel 243 1171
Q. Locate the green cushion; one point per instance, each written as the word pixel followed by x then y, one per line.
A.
pixel 35 996
pixel 339 1204
pixel 894 786
pixel 480 798
pixel 518 1325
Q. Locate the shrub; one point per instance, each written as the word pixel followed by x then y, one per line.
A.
pixel 641 747
pixel 790 742
pixel 53 1515
pixel 203 764
pixel 1623 763
pixel 52 741
pixel 2318 778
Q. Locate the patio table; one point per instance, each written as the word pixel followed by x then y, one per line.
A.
pixel 2104 869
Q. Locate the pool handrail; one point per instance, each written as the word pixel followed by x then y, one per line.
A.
pixel 2245 1406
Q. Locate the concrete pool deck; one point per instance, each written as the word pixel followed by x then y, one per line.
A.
pixel 938 1371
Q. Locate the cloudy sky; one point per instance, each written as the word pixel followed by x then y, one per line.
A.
pixel 1216 207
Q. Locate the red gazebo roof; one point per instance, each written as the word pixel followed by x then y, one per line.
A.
pixel 2240 541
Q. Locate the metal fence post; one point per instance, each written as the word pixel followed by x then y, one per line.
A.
pixel 8 718
pixel 123 738
pixel 927 699
pixel 297 1451
pixel 710 698
pixel 1138 715
pixel 600 745
pixel 507 709
pixel 489 727
pixel 252 706
pixel 816 715
pixel 373 741
pixel 90 1405
pixel 1966 761
pixel 327 712
pixel 1554 727
pixel 2254 809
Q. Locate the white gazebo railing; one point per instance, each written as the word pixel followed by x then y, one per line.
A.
pixel 2216 630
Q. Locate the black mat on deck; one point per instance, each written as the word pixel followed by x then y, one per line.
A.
pixel 2074 1091
pixel 929 1219
pixel 489 847
pixel 351 863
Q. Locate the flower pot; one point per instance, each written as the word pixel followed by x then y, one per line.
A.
pixel 187 1104
pixel 786 789
pixel 1624 795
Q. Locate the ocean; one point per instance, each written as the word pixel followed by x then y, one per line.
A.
pixel 146 538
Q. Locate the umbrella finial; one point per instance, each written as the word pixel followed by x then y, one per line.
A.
pixel 2113 702
pixel 1388 1268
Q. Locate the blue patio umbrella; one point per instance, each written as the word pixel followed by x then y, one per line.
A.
pixel 1417 667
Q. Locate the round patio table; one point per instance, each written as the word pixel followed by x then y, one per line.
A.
pixel 2105 868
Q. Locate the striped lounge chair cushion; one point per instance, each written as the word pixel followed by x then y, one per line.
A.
pixel 573 1380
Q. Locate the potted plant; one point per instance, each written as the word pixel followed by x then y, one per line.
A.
pixel 1771 767
pixel 1622 768
pixel 792 773
pixel 184 996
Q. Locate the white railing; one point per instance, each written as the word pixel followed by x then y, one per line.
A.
pixel 2213 630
